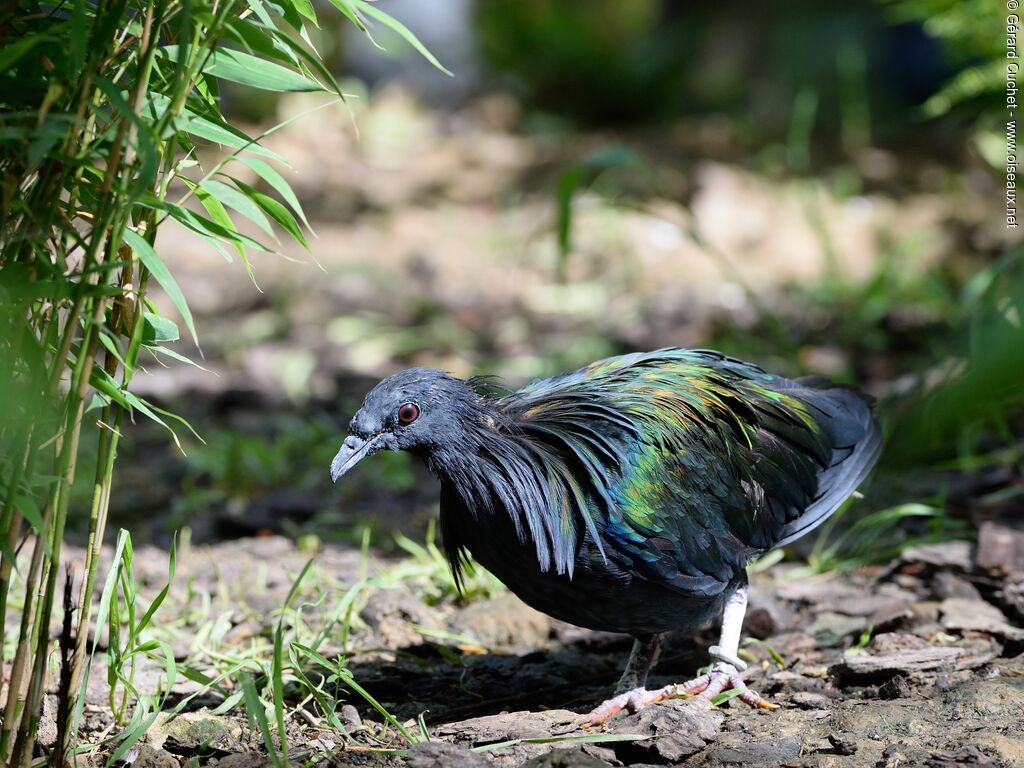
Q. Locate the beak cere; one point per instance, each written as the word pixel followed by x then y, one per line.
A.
pixel 352 451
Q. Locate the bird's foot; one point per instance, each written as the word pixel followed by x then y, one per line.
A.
pixel 722 676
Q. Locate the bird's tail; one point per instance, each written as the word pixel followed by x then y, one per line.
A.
pixel 847 419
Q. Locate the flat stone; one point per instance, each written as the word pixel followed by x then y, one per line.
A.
pixel 946 554
pixel 890 654
pixel 193 730
pixel 810 700
pixel 441 754
pixel 946 584
pixel 740 749
pixel 145 756
pixel 896 687
pixel 478 731
pixel 1000 547
pixel 675 730
pixel 966 614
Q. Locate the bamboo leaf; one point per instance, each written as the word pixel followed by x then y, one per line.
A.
pixel 162 275
pixel 173 354
pixel 246 69
pixel 276 211
pixel 305 7
pixel 240 201
pixel 157 328
pixel 269 174
pixel 219 214
pixel 206 127
pixel 406 34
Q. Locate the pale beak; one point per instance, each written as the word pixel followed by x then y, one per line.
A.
pixel 353 450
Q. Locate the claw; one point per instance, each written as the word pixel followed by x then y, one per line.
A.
pixel 704 688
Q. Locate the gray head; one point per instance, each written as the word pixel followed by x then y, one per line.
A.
pixel 417 410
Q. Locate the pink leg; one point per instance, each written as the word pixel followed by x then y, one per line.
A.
pixel 725 673
pixel 704 688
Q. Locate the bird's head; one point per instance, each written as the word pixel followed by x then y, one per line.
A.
pixel 418 410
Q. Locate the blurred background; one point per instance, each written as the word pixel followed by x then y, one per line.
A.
pixel 818 188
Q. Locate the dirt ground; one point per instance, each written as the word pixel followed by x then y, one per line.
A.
pixel 920 662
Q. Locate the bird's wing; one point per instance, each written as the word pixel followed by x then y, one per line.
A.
pixel 696 461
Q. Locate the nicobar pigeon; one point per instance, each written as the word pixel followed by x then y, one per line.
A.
pixel 628 496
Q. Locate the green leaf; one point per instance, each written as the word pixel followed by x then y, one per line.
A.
pixel 156 349
pixel 270 175
pixel 157 328
pixel 238 200
pixel 305 7
pixel 260 39
pixel 276 211
pixel 401 29
pixel 350 13
pixel 30 511
pixel 158 269
pixel 201 225
pixel 219 214
pixel 206 127
pixel 246 69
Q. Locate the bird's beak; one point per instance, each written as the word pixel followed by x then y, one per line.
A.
pixel 352 451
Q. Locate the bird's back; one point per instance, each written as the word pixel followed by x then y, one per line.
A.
pixel 679 466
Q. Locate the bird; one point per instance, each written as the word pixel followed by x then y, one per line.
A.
pixel 631 494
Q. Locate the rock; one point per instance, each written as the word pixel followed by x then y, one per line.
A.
pixel 869 605
pixel 785 680
pixel 1013 593
pixel 46 733
pixel 739 749
pixel 891 614
pixel 759 623
pixel 831 629
pixel 960 613
pixel 977 651
pixel 968 755
pixel 843 743
pixel 791 645
pixel 946 554
pixel 145 756
pixel 390 613
pixel 441 754
pixel 808 700
pixel 350 718
pixel 505 620
pixel 195 730
pixel 825 588
pixel 1000 547
pixel 947 584
pixel 896 687
pixel 509 725
pixel 890 654
pixel 563 758
pixel 675 730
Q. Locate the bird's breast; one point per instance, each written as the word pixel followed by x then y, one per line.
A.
pixel 596 595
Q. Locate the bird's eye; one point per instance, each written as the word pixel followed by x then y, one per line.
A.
pixel 408 413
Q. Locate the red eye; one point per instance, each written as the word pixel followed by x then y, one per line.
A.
pixel 408 413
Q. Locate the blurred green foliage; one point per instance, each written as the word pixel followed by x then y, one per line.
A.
pixel 974 35
pixel 633 61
